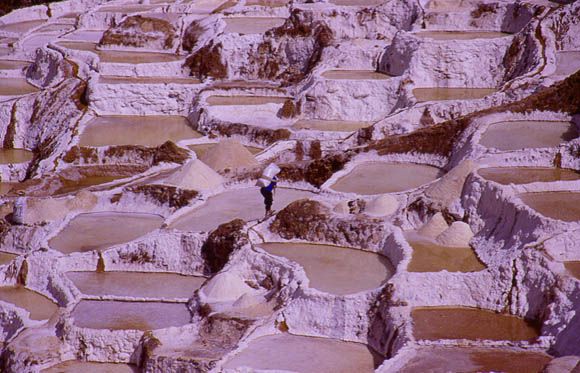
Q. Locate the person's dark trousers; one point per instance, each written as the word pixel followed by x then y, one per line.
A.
pixel 267 198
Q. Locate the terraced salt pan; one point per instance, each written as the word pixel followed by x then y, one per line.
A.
pixel 268 3
pixel 146 80
pixel 120 315
pixel 71 186
pixel 514 135
pixel 56 28
pixel 247 204
pixel 357 2
pixel 13 65
pixel 127 9
pixel 16 86
pixel 100 230
pixel 5 51
pixel 251 25
pixel 93 36
pixel 22 27
pixel 136 130
pixel 39 306
pixel 378 178
pixel 201 149
pixel 526 175
pixel 287 352
pixel 77 366
pixel 330 125
pixel 475 359
pixel 446 94
pixel 435 323
pixel 428 256
pixel 117 56
pixel 10 156
pixel 461 35
pixel 556 205
pixel 354 75
pixel 244 100
pixel 335 269
pixel 573 268
pixel 136 284
pixel 6 258
pixel 37 41
pixel 567 62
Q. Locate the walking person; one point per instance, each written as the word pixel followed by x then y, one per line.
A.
pixel 268 193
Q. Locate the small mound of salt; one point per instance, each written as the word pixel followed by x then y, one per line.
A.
pixel 382 205
pixel 434 227
pixel 457 235
pixel 195 175
pixel 226 286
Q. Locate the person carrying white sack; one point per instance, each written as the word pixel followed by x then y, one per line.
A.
pixel 269 189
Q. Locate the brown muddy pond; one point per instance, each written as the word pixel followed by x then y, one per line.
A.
pixel 434 323
pixel 10 156
pixel 121 315
pixel 461 35
pixel 382 177
pixel 148 130
pixel 117 56
pixel 475 359
pixel 567 62
pixel 16 86
pixel 573 268
pixel 330 125
pixel 22 27
pixel 77 366
pixel 245 100
pixel 13 65
pixel 445 94
pixel 201 149
pixel 6 258
pixel 146 80
pixel 136 284
pixel 305 354
pixel 514 135
pixel 101 230
pixel 252 25
pixel 556 205
pixel 247 204
pixel 335 269
pixel 354 75
pixel 526 175
pixel 428 256
pixel 39 306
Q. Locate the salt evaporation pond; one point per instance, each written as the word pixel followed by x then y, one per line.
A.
pixel 10 156
pixel 354 75
pixel 526 175
pixel 245 100
pixel 16 86
pixel 435 323
pixel 123 315
pixel 146 80
pixel 39 306
pixel 100 230
pixel 445 94
pixel 252 25
pixel 380 177
pixel 268 3
pixel 335 269
pixel 118 56
pixel 201 149
pixel 136 284
pixel 6 258
pixel 567 62
pixel 514 135
pixel 357 2
pixel 460 35
pixel 93 36
pixel 556 205
pixel 573 268
pixel 330 125
pixel 431 257
pixel 475 359
pixel 77 366
pixel 13 65
pixel 22 27
pixel 148 130
pixel 287 352
pixel 127 9
pixel 56 28
pixel 246 204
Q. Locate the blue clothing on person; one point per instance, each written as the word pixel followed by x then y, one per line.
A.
pixel 270 187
